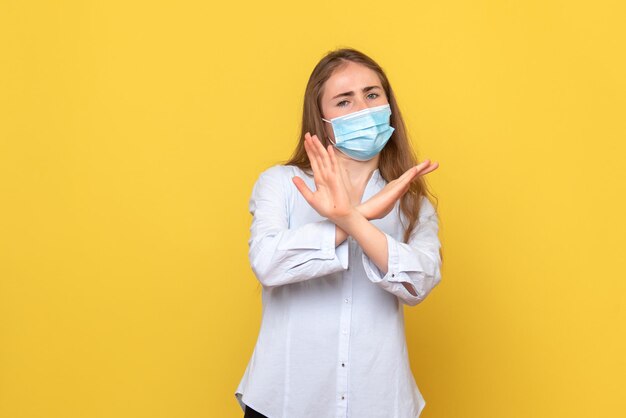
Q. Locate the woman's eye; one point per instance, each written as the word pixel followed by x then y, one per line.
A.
pixel 340 103
pixel 375 95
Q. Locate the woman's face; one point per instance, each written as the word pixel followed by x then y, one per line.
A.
pixel 351 88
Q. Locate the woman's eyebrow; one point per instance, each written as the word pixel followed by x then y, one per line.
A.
pixel 351 93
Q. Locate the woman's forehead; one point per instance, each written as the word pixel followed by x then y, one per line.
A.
pixel 350 77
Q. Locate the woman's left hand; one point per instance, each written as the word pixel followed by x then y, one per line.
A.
pixel 379 205
pixel 331 198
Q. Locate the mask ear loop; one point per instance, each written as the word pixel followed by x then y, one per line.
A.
pixel 327 137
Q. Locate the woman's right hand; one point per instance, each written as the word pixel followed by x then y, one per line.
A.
pixel 379 205
pixel 331 198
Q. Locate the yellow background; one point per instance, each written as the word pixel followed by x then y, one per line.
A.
pixel 131 134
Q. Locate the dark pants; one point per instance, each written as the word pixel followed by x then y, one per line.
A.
pixel 251 413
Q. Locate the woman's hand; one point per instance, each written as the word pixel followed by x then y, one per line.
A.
pixel 379 205
pixel 331 198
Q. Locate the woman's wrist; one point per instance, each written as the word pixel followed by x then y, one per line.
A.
pixel 362 209
pixel 350 221
pixel 340 235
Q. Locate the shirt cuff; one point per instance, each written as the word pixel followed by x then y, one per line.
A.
pixel 397 271
pixel 318 236
pixel 393 268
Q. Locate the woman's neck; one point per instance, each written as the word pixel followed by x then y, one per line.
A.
pixel 359 172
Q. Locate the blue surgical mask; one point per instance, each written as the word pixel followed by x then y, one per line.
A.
pixel 363 134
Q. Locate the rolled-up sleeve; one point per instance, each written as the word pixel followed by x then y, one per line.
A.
pixel 280 255
pixel 417 263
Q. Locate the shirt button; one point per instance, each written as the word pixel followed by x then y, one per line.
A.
pixel 393 275
pixel 346 300
pixel 343 397
pixel 343 364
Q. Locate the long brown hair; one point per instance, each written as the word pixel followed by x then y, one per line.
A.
pixel 397 156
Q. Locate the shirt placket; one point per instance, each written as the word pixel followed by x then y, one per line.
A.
pixel 344 334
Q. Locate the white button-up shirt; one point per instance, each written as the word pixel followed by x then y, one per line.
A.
pixel 332 341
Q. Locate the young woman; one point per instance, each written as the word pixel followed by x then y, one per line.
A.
pixel 342 238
